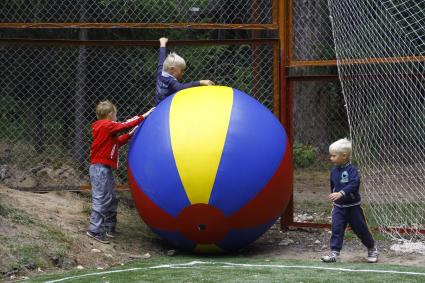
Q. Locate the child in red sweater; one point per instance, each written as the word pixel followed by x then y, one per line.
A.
pixel 104 158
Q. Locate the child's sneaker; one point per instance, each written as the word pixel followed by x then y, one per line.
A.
pixel 333 256
pixel 111 234
pixel 98 237
pixel 372 255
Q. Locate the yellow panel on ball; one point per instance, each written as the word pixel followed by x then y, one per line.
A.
pixel 198 137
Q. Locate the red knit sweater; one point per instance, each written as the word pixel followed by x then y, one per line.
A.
pixel 104 149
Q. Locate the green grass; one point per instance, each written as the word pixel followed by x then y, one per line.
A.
pixel 404 213
pixel 15 215
pixel 311 207
pixel 238 269
pixel 35 246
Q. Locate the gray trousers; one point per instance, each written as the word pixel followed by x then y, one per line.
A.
pixel 103 216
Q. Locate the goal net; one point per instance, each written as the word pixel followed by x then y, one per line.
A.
pixel 380 48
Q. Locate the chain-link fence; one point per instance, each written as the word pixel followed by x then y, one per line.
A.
pixel 384 87
pixel 140 11
pixel 48 95
pixel 311 31
pixel 48 92
pixel 319 114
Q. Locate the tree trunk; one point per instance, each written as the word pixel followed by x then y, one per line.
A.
pixel 79 101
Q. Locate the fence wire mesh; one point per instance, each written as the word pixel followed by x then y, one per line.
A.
pixel 385 98
pixel 319 114
pixel 311 31
pixel 48 96
pixel 142 11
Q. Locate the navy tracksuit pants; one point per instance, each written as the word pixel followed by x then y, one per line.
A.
pixel 341 216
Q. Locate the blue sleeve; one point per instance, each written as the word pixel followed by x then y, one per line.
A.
pixel 353 182
pixel 176 86
pixel 331 182
pixel 162 56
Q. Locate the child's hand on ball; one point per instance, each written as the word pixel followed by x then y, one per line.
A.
pixel 149 112
pixel 133 130
pixel 206 82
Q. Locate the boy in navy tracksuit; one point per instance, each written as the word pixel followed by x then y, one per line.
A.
pixel 345 182
pixel 170 71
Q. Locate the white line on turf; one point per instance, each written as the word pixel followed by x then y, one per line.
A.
pixel 229 264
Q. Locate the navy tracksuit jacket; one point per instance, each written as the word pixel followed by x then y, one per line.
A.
pixel 166 84
pixel 347 210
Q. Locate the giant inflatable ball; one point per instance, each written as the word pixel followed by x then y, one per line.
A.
pixel 209 169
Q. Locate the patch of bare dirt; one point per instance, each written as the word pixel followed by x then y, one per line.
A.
pixel 44 231
pixel 43 174
pixel 311 185
pixel 311 244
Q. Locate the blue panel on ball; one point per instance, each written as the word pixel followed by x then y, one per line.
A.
pixel 150 150
pixel 252 153
pixel 176 239
pixel 237 239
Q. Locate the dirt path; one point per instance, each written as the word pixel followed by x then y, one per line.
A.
pixel 311 244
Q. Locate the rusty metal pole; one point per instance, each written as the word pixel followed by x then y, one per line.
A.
pixel 286 103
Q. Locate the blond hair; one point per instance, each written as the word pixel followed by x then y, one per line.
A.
pixel 341 146
pixel 104 108
pixel 174 61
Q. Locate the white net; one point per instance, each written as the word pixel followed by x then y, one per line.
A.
pixel 380 48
